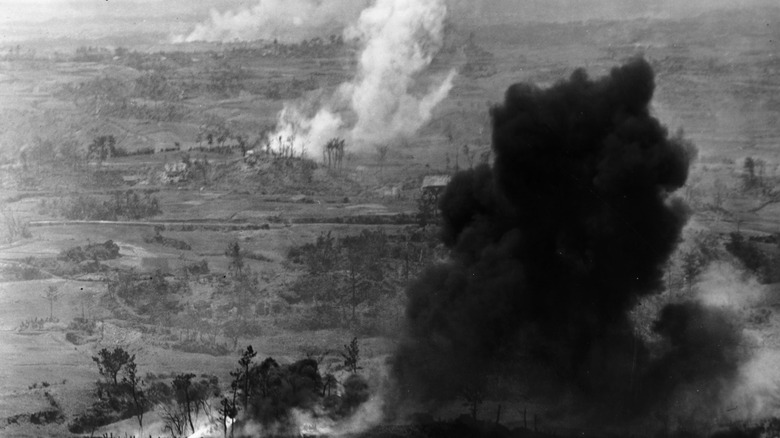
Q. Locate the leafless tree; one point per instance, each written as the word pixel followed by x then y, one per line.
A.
pixel 52 295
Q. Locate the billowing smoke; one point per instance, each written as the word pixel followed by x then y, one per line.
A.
pixel 399 39
pixel 283 20
pixel 553 245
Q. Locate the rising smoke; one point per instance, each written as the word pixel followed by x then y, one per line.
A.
pixel 283 20
pixel 553 245
pixel 399 39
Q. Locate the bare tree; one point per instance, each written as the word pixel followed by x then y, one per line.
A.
pixel 175 419
pixel 473 396
pixel 135 385
pixel 182 385
pixel 381 156
pixel 334 150
pixel 52 295
pixel 233 251
pixel 227 410
pixel 246 362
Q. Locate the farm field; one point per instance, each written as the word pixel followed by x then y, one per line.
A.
pixel 149 203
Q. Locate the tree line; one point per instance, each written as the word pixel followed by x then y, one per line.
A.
pixel 264 392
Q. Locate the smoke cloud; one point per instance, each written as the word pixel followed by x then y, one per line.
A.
pixel 399 39
pixel 553 245
pixel 285 20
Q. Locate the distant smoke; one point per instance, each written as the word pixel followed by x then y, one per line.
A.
pixel 285 20
pixel 399 39
pixel 554 245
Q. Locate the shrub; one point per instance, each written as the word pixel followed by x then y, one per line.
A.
pixel 198 268
pixel 47 417
pixel 128 204
pixel 167 241
pixel 74 338
pixel 107 250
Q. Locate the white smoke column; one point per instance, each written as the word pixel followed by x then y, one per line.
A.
pixel 369 414
pixel 756 393
pixel 399 39
pixel 286 20
pixel 298 135
pixel 724 285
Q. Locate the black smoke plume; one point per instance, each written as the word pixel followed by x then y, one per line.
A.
pixel 554 244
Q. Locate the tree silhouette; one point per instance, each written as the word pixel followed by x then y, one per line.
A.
pixel 182 386
pixel 245 362
pixel 233 252
pixel 52 295
pixel 227 410
pixel 134 384
pixel 334 150
pixel 101 148
pixel 111 362
pixel 381 156
pixel 351 355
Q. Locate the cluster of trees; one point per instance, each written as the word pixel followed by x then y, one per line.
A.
pixel 12 228
pixel 107 250
pixel 112 97
pixel 35 323
pixel 754 175
pixel 122 204
pixel 691 259
pixel 342 274
pixel 226 80
pixel 316 47
pixel 218 137
pixel 267 391
pixel 285 89
pixel 123 393
pixel 119 394
pixel 156 85
pixel 102 147
pixel 152 296
pixel 130 109
pixel 184 399
pixel 346 278
pixel 159 239
pixel 264 392
pixel 333 153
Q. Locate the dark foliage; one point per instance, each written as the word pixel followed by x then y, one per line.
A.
pixel 159 239
pixel 107 250
pixel 150 295
pixel 127 205
pixel 110 362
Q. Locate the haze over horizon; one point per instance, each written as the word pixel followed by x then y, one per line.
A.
pixel 22 20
